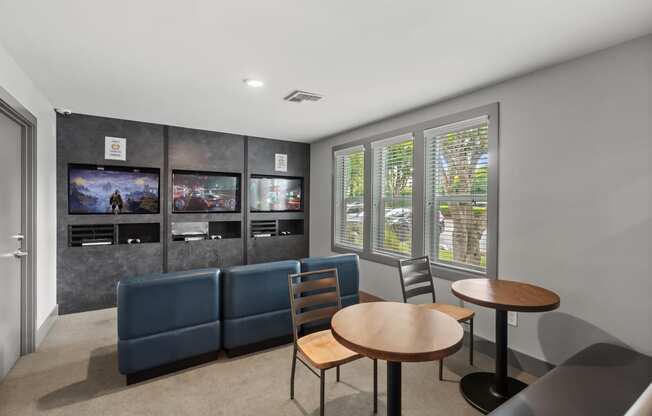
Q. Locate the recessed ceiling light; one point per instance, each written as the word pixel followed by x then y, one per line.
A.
pixel 255 83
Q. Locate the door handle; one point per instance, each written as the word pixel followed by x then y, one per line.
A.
pixel 18 237
pixel 20 253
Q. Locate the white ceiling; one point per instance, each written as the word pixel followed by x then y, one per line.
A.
pixel 183 62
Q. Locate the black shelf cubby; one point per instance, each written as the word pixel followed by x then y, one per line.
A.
pixel 139 233
pixel 91 235
pixel 263 228
pixel 290 227
pixel 225 229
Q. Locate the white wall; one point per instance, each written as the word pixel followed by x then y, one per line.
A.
pixel 16 82
pixel 575 185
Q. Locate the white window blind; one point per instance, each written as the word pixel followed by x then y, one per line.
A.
pixel 457 163
pixel 349 197
pixel 392 196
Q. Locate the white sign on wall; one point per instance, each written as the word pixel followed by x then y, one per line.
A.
pixel 281 162
pixel 115 148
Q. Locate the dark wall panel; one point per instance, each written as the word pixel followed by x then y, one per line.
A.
pixel 87 276
pixel 82 140
pixel 261 160
pixel 205 150
pixel 266 249
pixel 207 253
pixel 261 157
pixel 191 149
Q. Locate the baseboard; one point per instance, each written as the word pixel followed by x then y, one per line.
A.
pixel 366 297
pixel 45 328
pixel 169 368
pixel 259 346
pixel 516 359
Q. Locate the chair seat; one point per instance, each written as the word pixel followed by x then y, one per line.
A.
pixel 456 312
pixel 323 351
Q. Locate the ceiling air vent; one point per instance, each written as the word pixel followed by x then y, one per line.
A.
pixel 300 96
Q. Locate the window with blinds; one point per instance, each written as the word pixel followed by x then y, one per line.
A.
pixel 392 196
pixel 349 197
pixel 456 188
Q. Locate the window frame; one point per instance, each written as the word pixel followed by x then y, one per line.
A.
pixel 335 246
pixel 419 245
pixel 376 217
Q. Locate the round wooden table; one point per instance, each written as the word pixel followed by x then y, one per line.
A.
pixel 396 332
pixel 486 391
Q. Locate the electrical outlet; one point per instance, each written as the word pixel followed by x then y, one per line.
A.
pixel 512 318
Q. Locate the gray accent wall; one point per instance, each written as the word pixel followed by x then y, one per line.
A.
pixel 261 157
pixel 87 276
pixel 200 150
pixel 260 161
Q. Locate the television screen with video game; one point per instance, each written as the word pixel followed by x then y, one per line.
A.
pixel 274 193
pixel 96 189
pixel 205 192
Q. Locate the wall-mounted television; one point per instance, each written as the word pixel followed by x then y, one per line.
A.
pixel 94 189
pixel 275 193
pixel 205 192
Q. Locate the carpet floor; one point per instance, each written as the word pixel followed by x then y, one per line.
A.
pixel 75 373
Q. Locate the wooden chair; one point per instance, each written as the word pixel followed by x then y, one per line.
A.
pixel 314 297
pixel 416 279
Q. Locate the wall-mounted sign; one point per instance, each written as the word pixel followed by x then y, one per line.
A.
pixel 281 162
pixel 115 148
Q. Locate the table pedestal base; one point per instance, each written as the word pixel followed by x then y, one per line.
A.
pixel 478 389
pixel 393 388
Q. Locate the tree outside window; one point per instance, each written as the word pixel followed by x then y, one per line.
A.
pixel 457 200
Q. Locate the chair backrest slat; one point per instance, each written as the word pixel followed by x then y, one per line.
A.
pixel 416 291
pixel 328 298
pixel 311 285
pixel 419 266
pixel 414 278
pixel 314 296
pixel 316 315
pixel 413 272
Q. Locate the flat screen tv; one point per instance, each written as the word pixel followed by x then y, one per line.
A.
pixel 205 192
pixel 96 189
pixel 274 193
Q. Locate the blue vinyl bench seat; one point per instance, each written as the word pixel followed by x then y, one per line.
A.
pixel 168 321
pixel 256 304
pixel 167 317
pixel 348 270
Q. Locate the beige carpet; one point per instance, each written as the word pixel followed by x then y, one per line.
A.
pixel 75 373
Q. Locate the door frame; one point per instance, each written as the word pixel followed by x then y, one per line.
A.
pixel 11 108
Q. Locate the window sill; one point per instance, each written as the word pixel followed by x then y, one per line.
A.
pixel 439 271
pixel 346 250
pixel 453 273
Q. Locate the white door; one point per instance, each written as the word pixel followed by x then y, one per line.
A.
pixel 10 242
